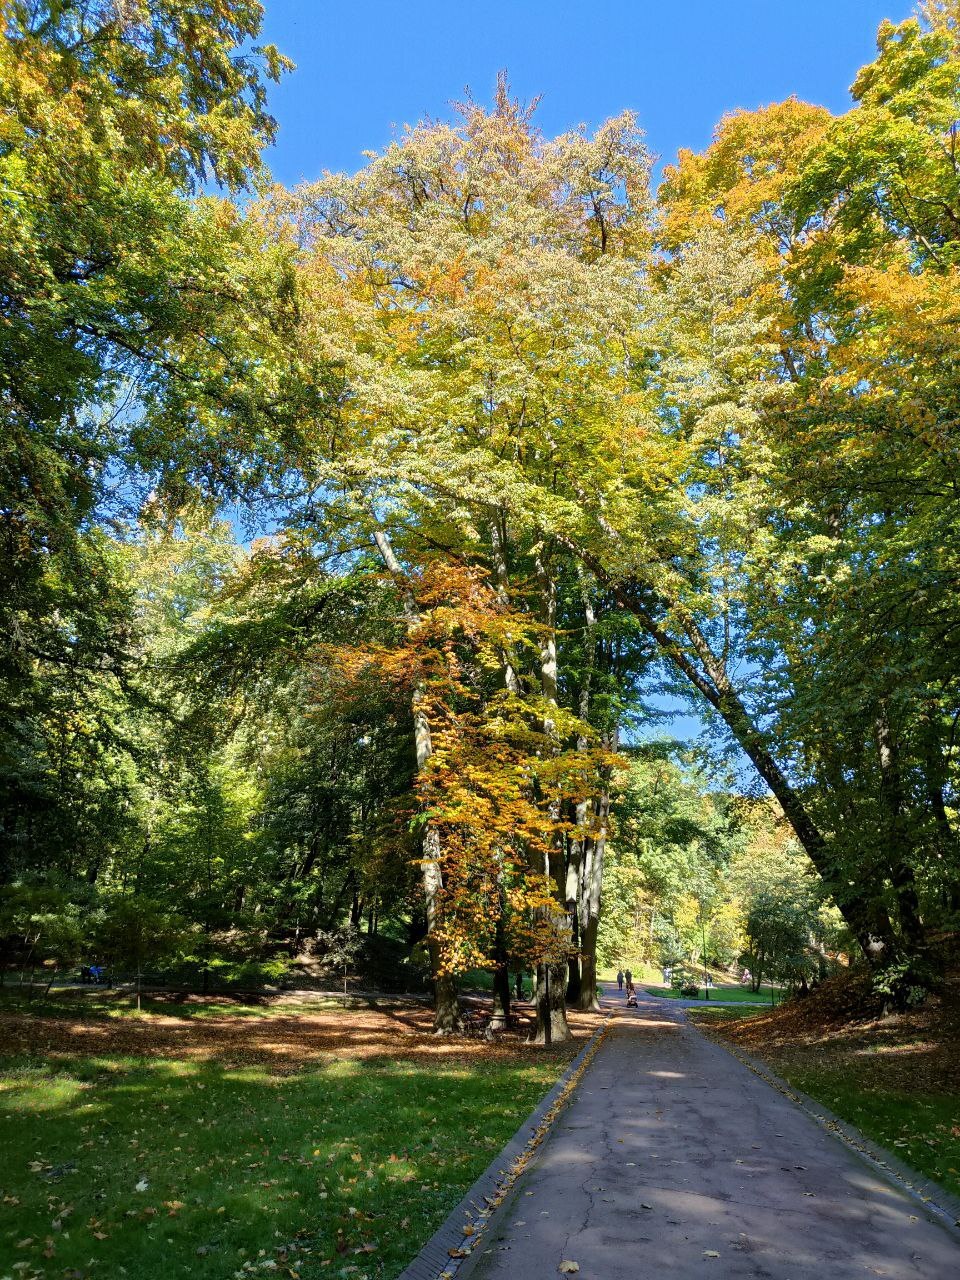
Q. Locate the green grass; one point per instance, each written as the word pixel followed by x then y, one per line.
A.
pixel 720 995
pixel 922 1129
pixel 642 972
pixel 352 1165
pixel 482 980
pixel 706 1014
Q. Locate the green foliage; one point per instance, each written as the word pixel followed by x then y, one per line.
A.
pixel 703 443
pixel 778 934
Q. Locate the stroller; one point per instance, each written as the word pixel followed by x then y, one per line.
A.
pixel 632 997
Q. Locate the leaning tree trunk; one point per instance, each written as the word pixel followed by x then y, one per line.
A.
pixel 864 912
pixel 446 1008
pixel 691 654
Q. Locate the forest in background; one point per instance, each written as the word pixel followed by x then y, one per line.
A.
pixel 512 445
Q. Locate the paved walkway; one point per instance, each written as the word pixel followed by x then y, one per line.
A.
pixel 675 1160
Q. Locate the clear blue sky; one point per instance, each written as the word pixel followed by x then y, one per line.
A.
pixel 367 66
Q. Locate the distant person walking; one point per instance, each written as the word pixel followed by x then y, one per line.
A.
pixel 620 979
pixel 628 978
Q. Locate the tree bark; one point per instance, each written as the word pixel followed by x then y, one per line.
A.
pixel 550 996
pixel 589 904
pixel 593 841
pixel 552 1025
pixel 901 874
pixel 500 1016
pixel 574 881
pixel 446 1007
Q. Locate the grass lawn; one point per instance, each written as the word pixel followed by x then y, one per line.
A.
pixel 642 971
pixel 224 1158
pixel 922 1129
pixel 720 995
pixel 714 1013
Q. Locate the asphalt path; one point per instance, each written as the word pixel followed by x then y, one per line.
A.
pixel 673 1159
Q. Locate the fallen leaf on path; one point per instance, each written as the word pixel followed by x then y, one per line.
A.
pixel 710 1253
pixel 568 1267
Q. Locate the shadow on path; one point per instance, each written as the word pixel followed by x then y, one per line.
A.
pixel 673 1159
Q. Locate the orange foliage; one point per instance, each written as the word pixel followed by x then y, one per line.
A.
pixel 498 780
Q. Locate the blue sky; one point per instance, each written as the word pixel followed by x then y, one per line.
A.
pixel 367 67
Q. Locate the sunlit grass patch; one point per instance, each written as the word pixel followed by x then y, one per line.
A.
pixel 721 995
pixel 923 1129
pixel 170 1168
pixel 712 1013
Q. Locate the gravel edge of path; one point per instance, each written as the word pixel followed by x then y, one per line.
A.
pixel 449 1248
pixel 939 1204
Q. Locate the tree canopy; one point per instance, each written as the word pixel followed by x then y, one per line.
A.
pixel 526 445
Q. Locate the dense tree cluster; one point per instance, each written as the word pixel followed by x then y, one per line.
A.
pixel 523 442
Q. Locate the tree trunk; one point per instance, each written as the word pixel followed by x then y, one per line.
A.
pixel 863 912
pixel 589 901
pixel 692 656
pixel 592 842
pixel 575 975
pixel 552 1025
pixel 574 880
pixel 501 579
pixel 588 963
pixel 446 1010
pixel 500 1017
pixel 901 873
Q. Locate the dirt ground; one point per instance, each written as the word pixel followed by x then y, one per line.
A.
pixel 917 1050
pixel 269 1035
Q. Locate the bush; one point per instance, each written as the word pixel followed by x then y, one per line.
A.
pixel 377 962
pixel 690 990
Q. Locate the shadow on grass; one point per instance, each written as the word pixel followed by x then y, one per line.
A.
pixel 189 1168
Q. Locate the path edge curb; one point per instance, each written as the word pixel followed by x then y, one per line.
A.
pixel 937 1202
pixel 448 1249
